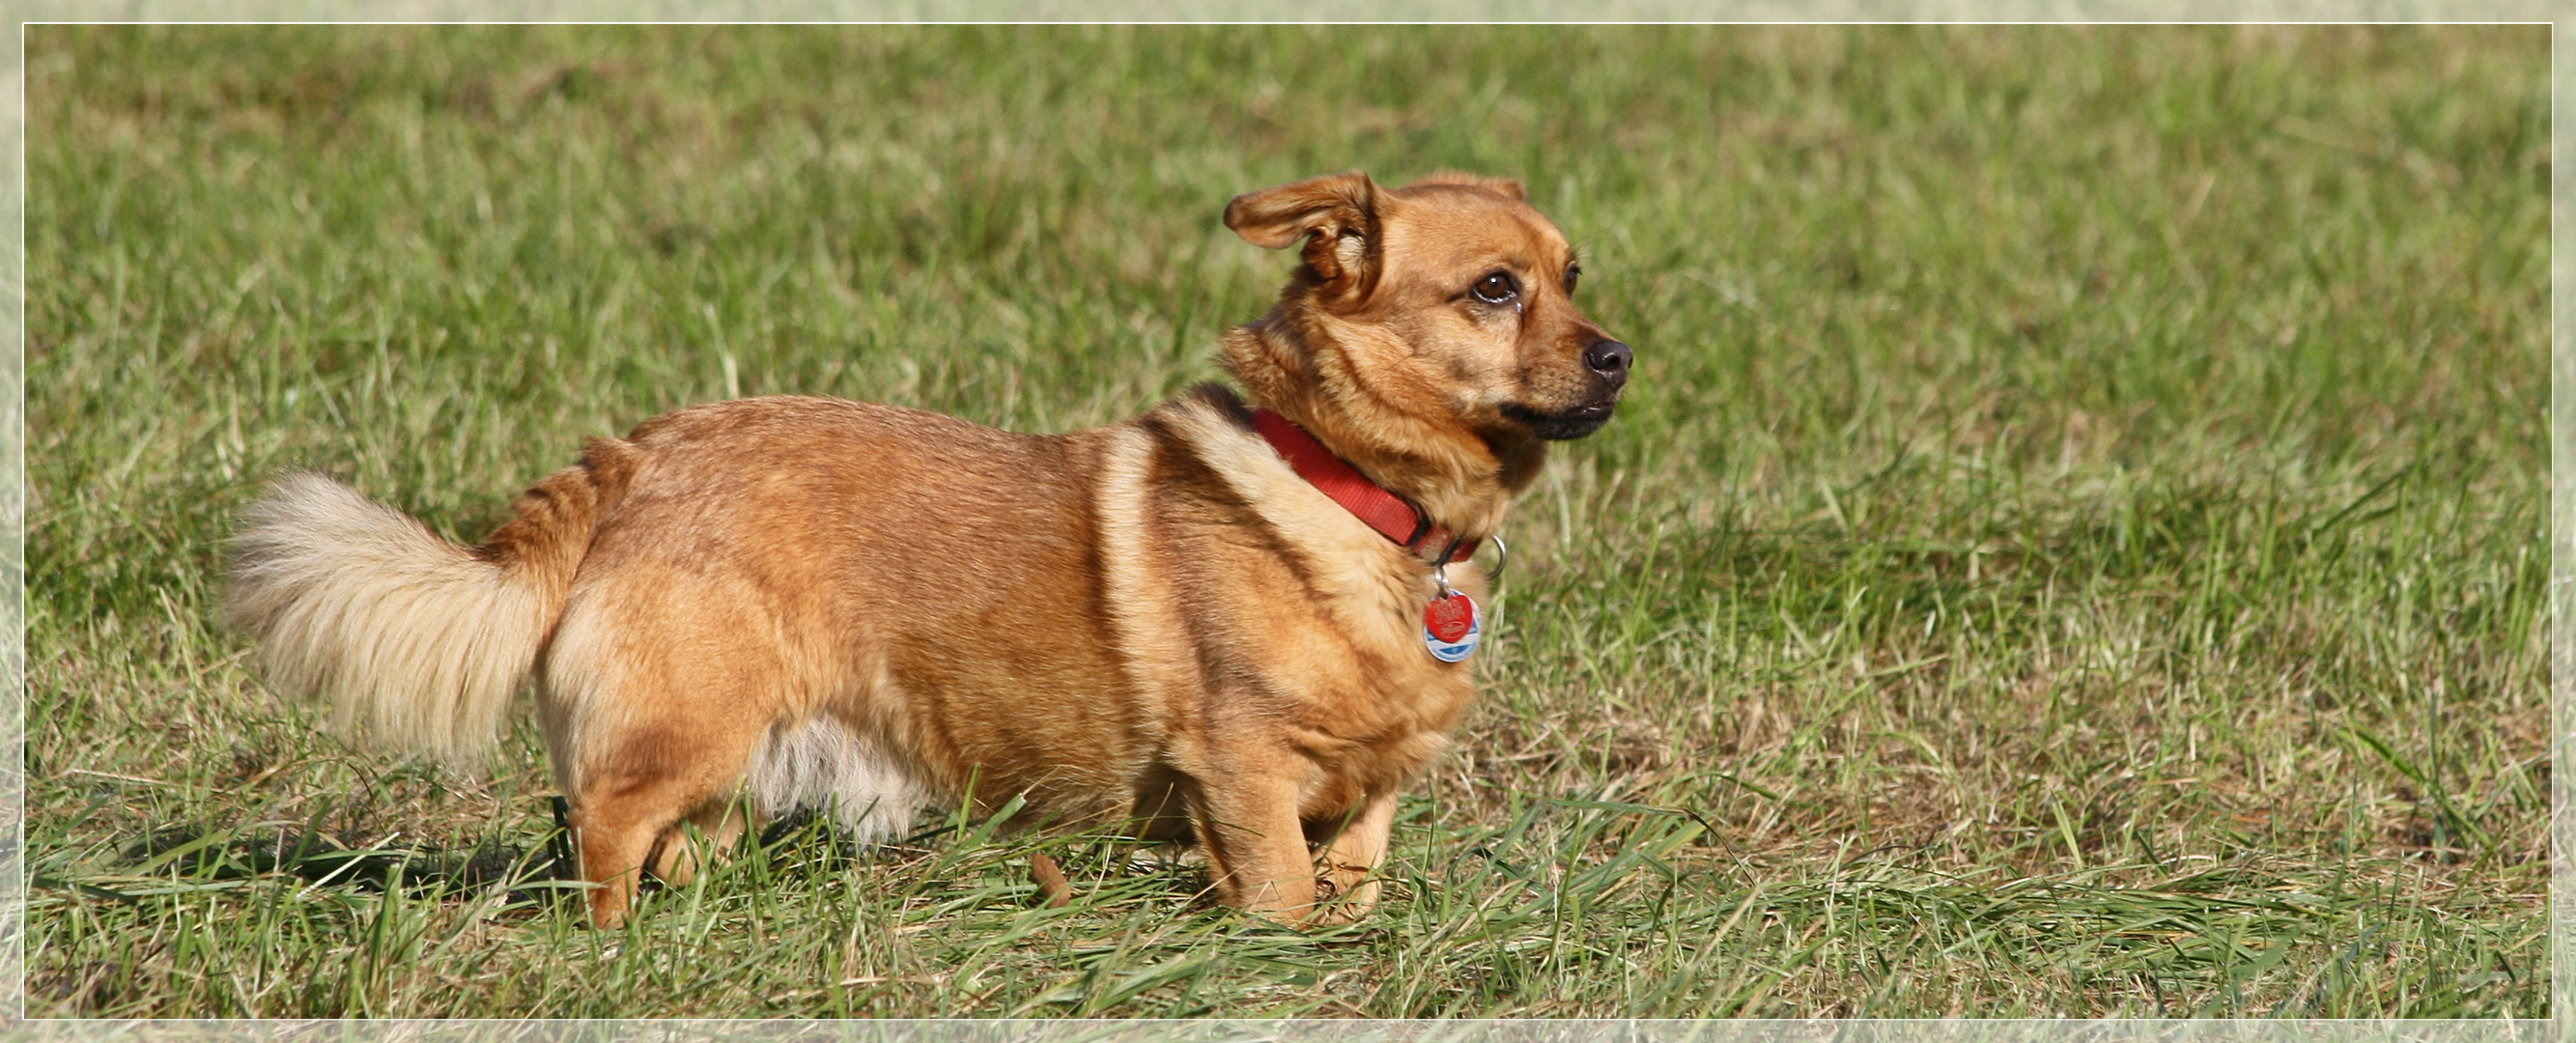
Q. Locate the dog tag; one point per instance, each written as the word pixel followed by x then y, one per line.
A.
pixel 1450 627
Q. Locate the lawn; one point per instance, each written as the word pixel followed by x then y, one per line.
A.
pixel 2073 546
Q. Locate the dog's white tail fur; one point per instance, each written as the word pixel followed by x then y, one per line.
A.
pixel 419 642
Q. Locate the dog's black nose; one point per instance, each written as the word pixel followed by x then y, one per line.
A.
pixel 1608 358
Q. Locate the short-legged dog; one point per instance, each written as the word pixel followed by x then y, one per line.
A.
pixel 1242 618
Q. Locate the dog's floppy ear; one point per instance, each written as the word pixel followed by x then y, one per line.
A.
pixel 1275 218
pixel 1510 186
pixel 1335 214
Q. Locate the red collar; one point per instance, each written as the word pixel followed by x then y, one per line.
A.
pixel 1384 511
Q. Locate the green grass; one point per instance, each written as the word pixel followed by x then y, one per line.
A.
pixel 2073 545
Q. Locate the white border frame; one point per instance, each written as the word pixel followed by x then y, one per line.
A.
pixel 2561 1026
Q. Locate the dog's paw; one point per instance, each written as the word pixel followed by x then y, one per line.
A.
pixel 1343 894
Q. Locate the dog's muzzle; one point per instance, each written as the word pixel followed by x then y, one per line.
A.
pixel 1608 360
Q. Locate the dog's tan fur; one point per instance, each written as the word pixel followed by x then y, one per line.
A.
pixel 871 609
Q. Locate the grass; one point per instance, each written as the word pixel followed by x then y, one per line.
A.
pixel 2073 546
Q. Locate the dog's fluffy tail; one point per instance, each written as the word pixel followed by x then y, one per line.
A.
pixel 418 641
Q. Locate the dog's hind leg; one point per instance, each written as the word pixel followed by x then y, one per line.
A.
pixel 616 823
pixel 717 827
pixel 634 804
pixel 653 724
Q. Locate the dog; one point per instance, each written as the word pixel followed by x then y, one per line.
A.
pixel 1240 620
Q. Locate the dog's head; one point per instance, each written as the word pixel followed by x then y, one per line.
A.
pixel 1449 296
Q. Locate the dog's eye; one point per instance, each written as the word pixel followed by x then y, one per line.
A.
pixel 1572 272
pixel 1497 288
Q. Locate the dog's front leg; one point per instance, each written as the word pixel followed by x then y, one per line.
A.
pixel 1255 845
pixel 1348 865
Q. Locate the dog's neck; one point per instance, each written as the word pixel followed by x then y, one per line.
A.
pixel 1401 434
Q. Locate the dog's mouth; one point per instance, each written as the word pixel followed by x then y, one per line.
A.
pixel 1565 424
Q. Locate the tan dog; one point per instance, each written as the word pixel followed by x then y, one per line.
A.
pixel 866 609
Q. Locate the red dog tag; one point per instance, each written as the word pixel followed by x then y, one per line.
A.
pixel 1450 627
